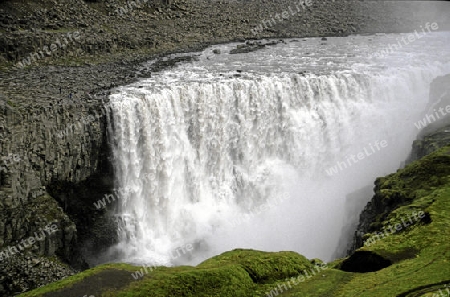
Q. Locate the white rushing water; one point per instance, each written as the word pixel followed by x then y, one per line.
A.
pixel 220 159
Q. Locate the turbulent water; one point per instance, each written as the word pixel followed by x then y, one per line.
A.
pixel 255 150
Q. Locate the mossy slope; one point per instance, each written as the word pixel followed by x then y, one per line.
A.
pixel 235 273
pixel 419 252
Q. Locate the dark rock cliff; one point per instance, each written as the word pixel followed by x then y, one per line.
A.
pixel 48 153
pixel 433 137
pixel 437 118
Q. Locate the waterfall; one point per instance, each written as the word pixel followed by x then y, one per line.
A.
pixel 229 162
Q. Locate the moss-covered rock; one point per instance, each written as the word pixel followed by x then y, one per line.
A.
pixel 412 261
pixel 263 267
pixel 234 273
pixel 403 188
pixel 229 280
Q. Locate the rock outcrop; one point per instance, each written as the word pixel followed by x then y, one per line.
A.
pixel 436 133
pixel 46 145
pixel 387 197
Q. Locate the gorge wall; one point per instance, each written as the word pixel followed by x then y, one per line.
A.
pixel 433 137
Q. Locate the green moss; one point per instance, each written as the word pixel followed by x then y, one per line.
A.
pixel 324 284
pixel 70 281
pixel 263 267
pixel 420 252
pixel 230 280
pixel 234 273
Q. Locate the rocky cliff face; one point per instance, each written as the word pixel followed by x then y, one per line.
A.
pixel 432 137
pixel 436 133
pixel 44 146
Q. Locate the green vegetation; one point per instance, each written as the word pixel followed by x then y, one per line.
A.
pixel 235 273
pixel 263 267
pixel 70 281
pixel 420 254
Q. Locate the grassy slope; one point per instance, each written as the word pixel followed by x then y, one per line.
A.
pixel 427 181
pixel 420 254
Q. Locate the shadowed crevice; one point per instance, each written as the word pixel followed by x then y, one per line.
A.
pixel 365 261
